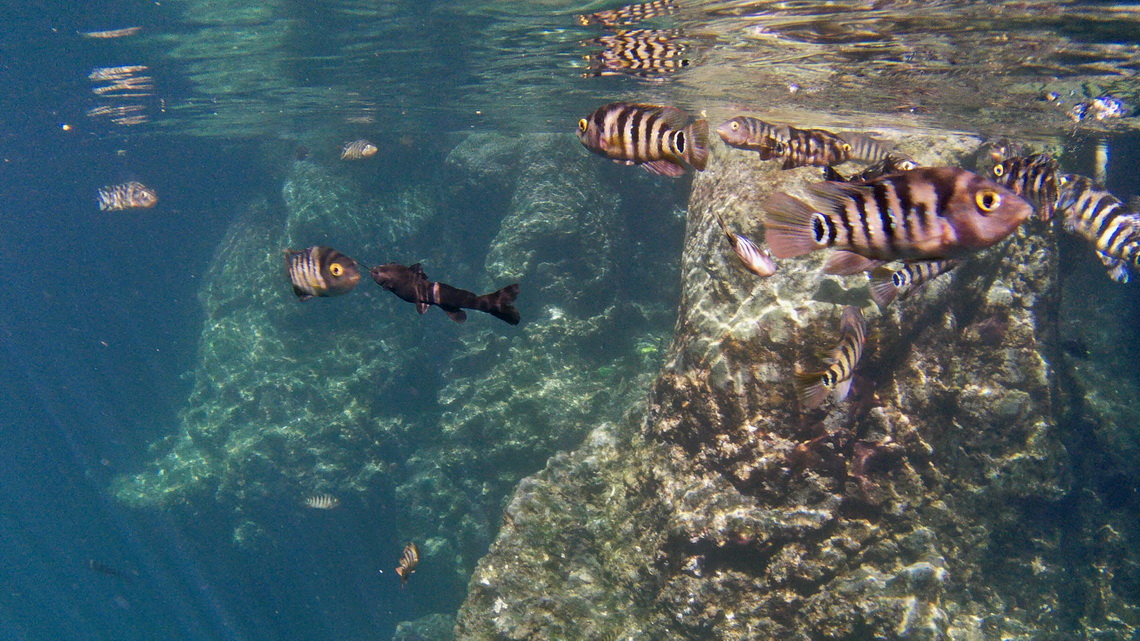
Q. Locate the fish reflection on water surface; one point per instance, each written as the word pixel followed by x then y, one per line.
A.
pixel 647 53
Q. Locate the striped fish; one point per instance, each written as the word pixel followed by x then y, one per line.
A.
pixel 888 284
pixel 1100 218
pixel 357 150
pixel 755 259
pixel 320 271
pixel 408 562
pixel 799 147
pixel 655 137
pixel 893 163
pixel 813 387
pixel 128 195
pixel 926 213
pixel 322 502
pixel 629 14
pixel 645 53
pixel 1034 178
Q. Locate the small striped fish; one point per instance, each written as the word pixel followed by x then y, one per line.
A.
pixel 1100 218
pixel 893 163
pixel 128 195
pixel 653 136
pixel 320 271
pixel 642 52
pixel 322 502
pixel 799 147
pixel 408 562
pixel 926 213
pixel 1034 178
pixel 888 284
pixel 755 259
pixel 629 14
pixel 357 150
pixel 813 387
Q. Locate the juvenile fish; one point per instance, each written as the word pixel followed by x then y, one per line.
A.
pixel 413 286
pixel 629 14
pixel 888 284
pixel 320 271
pixel 755 259
pixel 1100 218
pixel 409 560
pixel 926 213
pixel 357 150
pixel 1034 178
pixel 893 163
pixel 659 138
pixel 813 387
pixel 128 195
pixel 322 502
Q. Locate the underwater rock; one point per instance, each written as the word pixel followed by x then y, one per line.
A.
pixel 936 503
pixel 433 627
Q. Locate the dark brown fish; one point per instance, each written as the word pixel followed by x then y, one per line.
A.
pixel 413 286
pixel 103 568
pixel 629 14
pixel 320 271
pixel 646 53
pixel 813 387
pixel 653 136
pixel 408 562
pixel 921 214
pixel 1034 178
pixel 128 195
pixel 888 284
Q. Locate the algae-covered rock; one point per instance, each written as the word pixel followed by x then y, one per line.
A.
pixel 936 503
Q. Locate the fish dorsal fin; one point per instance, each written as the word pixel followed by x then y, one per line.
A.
pixel 418 269
pixel 675 119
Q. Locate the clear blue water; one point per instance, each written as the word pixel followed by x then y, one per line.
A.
pixel 99 314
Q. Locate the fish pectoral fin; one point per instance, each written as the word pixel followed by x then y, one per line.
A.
pixel 665 167
pixel 846 263
pixel 455 314
pixel 301 294
pixel 422 307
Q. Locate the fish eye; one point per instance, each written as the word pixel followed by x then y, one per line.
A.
pixel 987 200
pixel 907 165
pixel 846 146
pixel 999 171
pixel 336 269
pixel 582 124
pixel 735 126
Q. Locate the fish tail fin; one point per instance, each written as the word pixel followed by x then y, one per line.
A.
pixel 789 226
pixel 883 289
pixel 810 388
pixel 498 304
pixel 697 153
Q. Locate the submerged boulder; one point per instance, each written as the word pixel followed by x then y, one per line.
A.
pixel 937 502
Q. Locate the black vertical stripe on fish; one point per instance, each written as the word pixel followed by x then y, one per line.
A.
pixel 409 561
pixel 886 219
pixel 1033 178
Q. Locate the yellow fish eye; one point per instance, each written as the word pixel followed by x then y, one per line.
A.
pixel 582 124
pixel 336 269
pixel 735 126
pixel 999 171
pixel 987 200
pixel 846 146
